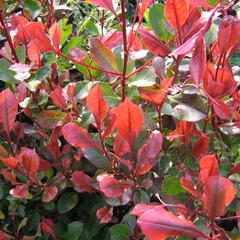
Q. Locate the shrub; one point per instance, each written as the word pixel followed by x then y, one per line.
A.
pixel 119 120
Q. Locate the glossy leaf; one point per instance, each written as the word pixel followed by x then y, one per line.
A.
pixel 8 109
pixel 20 191
pixel 176 12
pixel 148 152
pixel 200 147
pixel 102 55
pixel 159 223
pixel 112 187
pixel 77 136
pixel 30 161
pixel 83 181
pixel 121 146
pixel 107 4
pixel 105 214
pixel 57 97
pixel 55 34
pixel 218 192
pixel 185 112
pixel 152 43
pixel 198 61
pixel 158 21
pixel 47 226
pixel 130 120
pixel 208 167
pixel 49 119
pixel 67 202
pixel 49 193
pixel 97 105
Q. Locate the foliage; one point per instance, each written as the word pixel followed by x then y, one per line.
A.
pixel 119 119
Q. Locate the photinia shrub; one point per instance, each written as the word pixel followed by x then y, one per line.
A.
pixel 119 120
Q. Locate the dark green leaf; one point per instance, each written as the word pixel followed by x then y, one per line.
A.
pixel 42 73
pixel 119 232
pixel 74 230
pixel 67 202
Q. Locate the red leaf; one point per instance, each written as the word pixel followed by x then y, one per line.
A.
pixel 105 214
pixel 49 119
pixel 102 55
pixel 12 163
pixel 236 169
pixel 130 120
pixel 2 236
pixel 49 193
pixel 34 53
pixel 55 33
pixel 148 152
pixel 30 161
pixel 20 191
pixel 143 8
pixel 112 121
pixel 159 223
pixel 221 109
pixel 199 3
pixel 58 98
pixel 208 167
pixel 113 188
pixel 228 33
pixel 36 33
pixel 141 208
pixel 176 12
pixel 152 42
pixel 97 105
pixel 8 109
pixel 77 53
pixel 120 146
pixel 156 94
pixel 83 181
pixel 77 136
pixel 107 4
pixel 200 147
pixel 189 187
pixel 198 61
pixel 189 44
pixel 218 193
pixel 10 177
pixel 47 226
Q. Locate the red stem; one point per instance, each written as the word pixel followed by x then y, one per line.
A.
pixel 125 47
pixel 84 64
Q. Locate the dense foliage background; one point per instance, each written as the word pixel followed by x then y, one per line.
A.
pixel 119 119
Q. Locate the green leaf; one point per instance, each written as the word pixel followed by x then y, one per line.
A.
pixel 102 55
pixel 74 230
pixel 119 232
pixel 74 42
pixel 95 157
pixel 42 73
pixel 81 89
pixel 67 202
pixel 184 112
pixel 158 21
pixel 49 118
pixel 144 78
pixel 21 52
pixel 7 75
pixel 118 52
pixel 212 2
pixel 33 7
pixel 172 186
pixel 66 30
